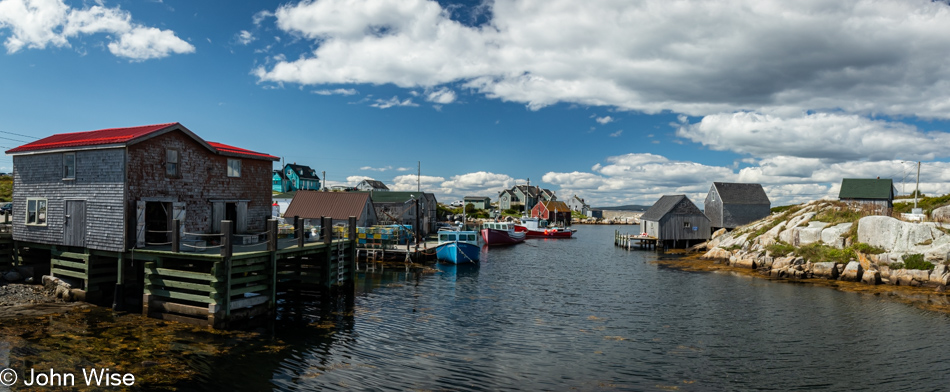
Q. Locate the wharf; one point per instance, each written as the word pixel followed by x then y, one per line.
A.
pixel 627 241
pixel 398 253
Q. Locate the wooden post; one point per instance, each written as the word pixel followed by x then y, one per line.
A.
pixel 227 247
pixel 351 277
pixel 118 297
pixel 272 248
pixel 272 235
pixel 418 230
pixel 298 231
pixel 227 251
pixel 327 223
pixel 176 235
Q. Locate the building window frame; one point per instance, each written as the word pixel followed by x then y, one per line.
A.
pixel 234 167
pixel 37 209
pixel 69 166
pixel 172 163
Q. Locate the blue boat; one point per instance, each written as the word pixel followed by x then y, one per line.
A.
pixel 457 246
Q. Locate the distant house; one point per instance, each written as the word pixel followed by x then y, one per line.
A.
pixel 340 206
pixel 598 214
pixel 280 183
pixel 400 208
pixel 114 189
pixel 675 221
pixel 554 211
pixel 371 185
pixel 524 197
pixel 730 205
pixel 294 177
pixel 478 202
pixel 578 204
pixel 875 195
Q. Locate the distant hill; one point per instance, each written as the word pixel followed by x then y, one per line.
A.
pixel 631 207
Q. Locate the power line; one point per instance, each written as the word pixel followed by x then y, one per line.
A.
pixel 17 134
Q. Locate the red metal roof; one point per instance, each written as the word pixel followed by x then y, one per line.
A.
pixel 241 151
pixel 126 136
pixel 91 138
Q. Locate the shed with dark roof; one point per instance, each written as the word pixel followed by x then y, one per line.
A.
pixel 873 194
pixel 337 205
pixel 675 221
pixel 730 205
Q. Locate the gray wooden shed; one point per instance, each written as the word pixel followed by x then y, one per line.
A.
pixel 730 205
pixel 675 221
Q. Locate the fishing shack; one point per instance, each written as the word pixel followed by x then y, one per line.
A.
pixel 674 221
pixel 730 205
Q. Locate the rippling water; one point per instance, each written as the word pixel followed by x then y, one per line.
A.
pixel 583 315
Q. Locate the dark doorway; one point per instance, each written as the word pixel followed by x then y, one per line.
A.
pixel 230 213
pixel 156 223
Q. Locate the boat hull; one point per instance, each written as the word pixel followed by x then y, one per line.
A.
pixel 546 233
pixel 457 252
pixel 502 237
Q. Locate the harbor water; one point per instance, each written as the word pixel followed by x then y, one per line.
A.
pixel 581 314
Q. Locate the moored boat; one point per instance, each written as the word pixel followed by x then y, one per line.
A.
pixel 501 233
pixel 538 228
pixel 457 246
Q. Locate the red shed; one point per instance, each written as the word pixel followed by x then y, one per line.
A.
pixel 554 211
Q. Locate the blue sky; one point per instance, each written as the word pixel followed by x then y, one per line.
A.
pixel 618 102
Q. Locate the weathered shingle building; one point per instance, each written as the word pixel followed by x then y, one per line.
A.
pixel 372 185
pixel 337 205
pixel 113 189
pixel 730 205
pixel 674 220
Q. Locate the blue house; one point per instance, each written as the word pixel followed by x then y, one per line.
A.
pixel 296 177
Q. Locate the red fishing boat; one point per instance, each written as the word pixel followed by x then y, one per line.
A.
pixel 501 233
pixel 538 228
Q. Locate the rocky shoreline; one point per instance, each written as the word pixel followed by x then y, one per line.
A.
pixel 881 255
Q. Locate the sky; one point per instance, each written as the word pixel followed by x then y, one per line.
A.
pixel 615 101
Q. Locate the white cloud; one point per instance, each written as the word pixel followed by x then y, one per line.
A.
pixel 353 180
pixel 616 134
pixel 394 101
pixel 829 137
pixel 339 91
pixel 245 37
pixel 35 24
pixel 379 169
pixel 441 96
pixel 774 57
pixel 409 183
pixel 604 120
pixel 144 43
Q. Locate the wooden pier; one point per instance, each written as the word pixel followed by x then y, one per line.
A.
pixel 222 285
pixel 628 241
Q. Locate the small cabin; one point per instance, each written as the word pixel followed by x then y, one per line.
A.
pixel 372 186
pixel 556 212
pixel 730 205
pixel 676 222
pixel 477 202
pixel 872 194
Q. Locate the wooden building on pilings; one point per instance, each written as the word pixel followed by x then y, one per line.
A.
pixel 674 221
pixel 90 204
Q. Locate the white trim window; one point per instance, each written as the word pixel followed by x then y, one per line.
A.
pixel 36 211
pixel 69 166
pixel 234 167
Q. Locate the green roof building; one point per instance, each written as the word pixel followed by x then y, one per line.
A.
pixel 873 194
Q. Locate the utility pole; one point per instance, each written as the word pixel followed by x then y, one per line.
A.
pixel 917 192
pixel 324 180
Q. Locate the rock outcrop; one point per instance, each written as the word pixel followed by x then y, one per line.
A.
pixel 750 247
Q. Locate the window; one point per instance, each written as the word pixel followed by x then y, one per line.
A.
pixel 686 225
pixel 234 167
pixel 69 166
pixel 171 163
pixel 36 212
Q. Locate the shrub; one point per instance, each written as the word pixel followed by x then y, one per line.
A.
pixel 816 252
pixel 780 249
pixel 865 248
pixel 916 262
pixel 839 213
